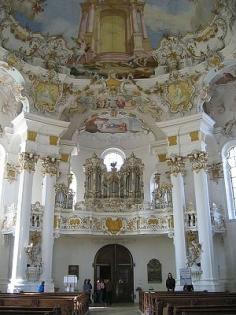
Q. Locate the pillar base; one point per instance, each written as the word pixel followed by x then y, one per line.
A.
pixel 18 285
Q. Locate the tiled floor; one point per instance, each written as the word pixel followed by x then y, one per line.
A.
pixel 115 310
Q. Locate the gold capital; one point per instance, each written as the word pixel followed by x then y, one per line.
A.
pixel 176 164
pixel 199 160
pixel 49 166
pixel 27 161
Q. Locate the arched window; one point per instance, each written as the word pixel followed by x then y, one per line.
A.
pixel 229 163
pixel 154 271
pixel 113 156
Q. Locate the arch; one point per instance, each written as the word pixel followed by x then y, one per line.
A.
pixel 228 169
pixel 208 81
pixel 111 155
pixel 115 262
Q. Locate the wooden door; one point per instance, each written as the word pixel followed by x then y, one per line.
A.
pixel 115 262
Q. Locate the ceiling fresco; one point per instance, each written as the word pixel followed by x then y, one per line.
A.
pixel 59 17
pixel 116 68
pixel 84 37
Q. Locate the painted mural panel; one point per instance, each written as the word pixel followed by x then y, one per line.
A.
pixel 103 123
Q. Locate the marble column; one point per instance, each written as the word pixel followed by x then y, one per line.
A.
pixel 177 165
pixel 134 18
pixel 90 21
pixel 145 34
pixel 49 169
pixel 19 261
pixel 199 165
pixel 83 23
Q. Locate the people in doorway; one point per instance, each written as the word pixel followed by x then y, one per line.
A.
pixel 103 291
pixel 41 287
pixel 98 294
pixel 87 288
pixel 108 292
pixel 170 283
pixel 188 288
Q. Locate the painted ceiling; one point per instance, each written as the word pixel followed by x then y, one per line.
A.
pixel 118 98
pixel 59 17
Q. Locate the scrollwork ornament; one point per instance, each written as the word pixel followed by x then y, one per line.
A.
pixel 177 165
pixel 27 161
pixel 198 160
pixel 49 166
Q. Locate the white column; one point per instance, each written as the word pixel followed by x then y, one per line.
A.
pixel 199 164
pixel 21 241
pixel 49 165
pixel 178 199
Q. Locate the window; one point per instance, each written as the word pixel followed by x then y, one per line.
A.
pixel 229 161
pixel 113 157
pixel 154 271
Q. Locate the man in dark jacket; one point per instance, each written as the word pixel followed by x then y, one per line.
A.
pixel 170 283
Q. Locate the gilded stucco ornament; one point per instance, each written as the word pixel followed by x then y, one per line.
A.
pixel 215 171
pixel 114 226
pixel 179 92
pixel 199 161
pixel 177 165
pixel 27 161
pixel 11 172
pixel 194 250
pixel 49 166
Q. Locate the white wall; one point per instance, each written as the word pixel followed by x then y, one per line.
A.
pixel 69 250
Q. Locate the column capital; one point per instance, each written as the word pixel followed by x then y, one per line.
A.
pixel 49 166
pixel 199 160
pixel 176 164
pixel 27 161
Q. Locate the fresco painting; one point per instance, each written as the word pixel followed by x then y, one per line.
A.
pixel 103 123
pixel 59 17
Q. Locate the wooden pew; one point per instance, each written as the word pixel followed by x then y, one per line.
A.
pixel 18 310
pixel 158 303
pixel 69 303
pixel 206 309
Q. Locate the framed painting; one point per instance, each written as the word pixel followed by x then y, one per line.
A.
pixel 73 270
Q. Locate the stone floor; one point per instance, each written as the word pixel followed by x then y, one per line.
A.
pixel 115 310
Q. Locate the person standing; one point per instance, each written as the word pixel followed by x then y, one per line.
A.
pixel 108 287
pixel 170 283
pixel 41 287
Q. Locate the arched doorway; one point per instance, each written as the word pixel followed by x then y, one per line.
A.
pixel 115 262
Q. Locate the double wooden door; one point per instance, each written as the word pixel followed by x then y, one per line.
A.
pixel 115 262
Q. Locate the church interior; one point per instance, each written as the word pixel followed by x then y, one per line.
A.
pixel 117 144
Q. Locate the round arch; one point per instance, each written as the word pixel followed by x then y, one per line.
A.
pixel 114 262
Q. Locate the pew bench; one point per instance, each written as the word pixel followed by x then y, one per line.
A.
pixel 18 310
pixel 205 309
pixel 68 303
